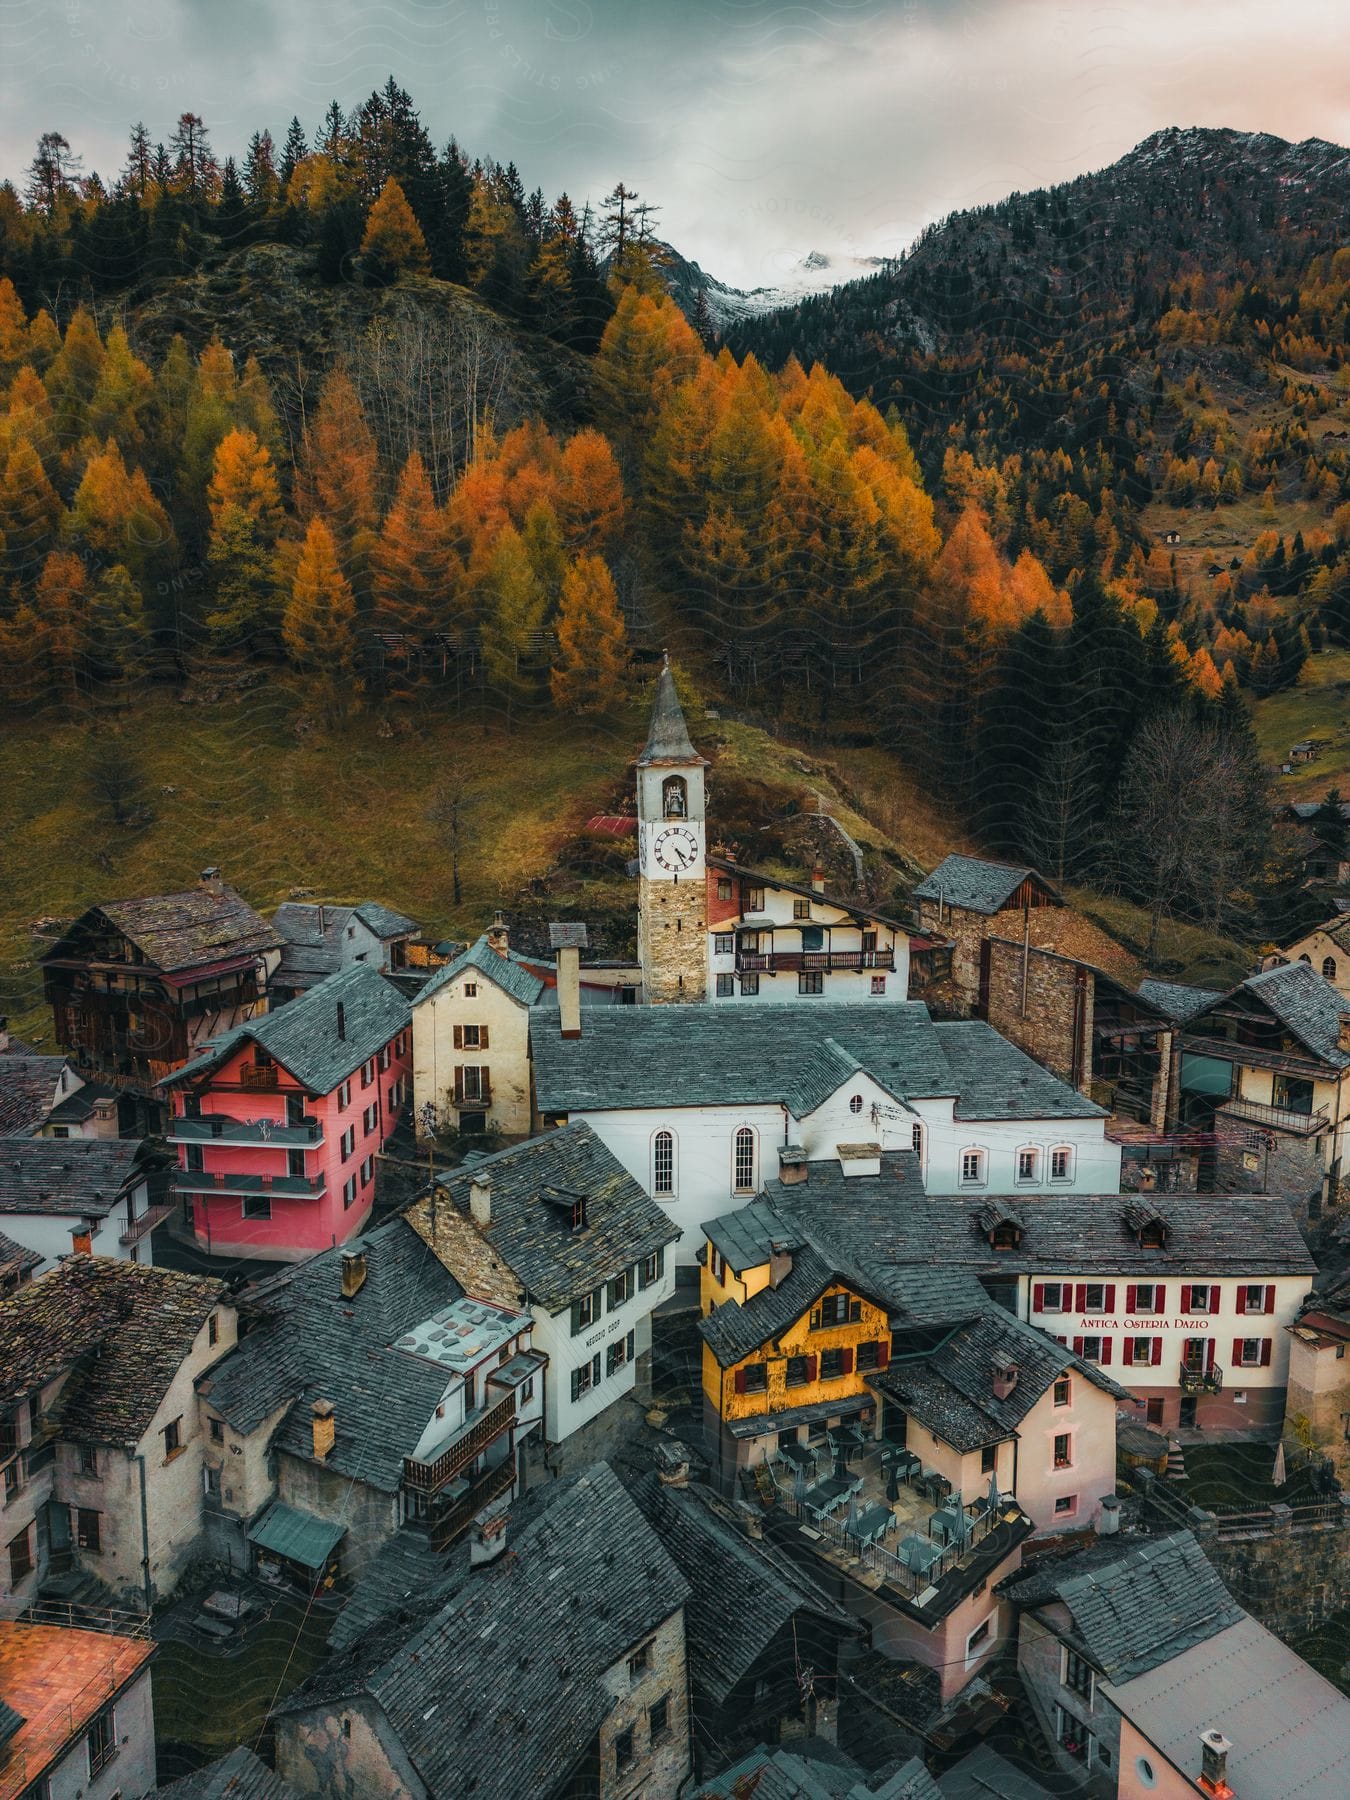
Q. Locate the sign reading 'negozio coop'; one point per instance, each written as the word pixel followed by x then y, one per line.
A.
pixel 617 1324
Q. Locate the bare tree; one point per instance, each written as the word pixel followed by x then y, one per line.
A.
pixel 1190 824
pixel 115 781
pixel 1060 802
pixel 451 812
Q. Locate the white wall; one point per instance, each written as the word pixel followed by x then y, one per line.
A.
pixel 49 1234
pixel 553 1335
pixel 840 933
pixel 132 1771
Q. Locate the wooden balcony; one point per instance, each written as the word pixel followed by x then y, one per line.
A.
pixel 795 962
pixel 258 1078
pixel 456 1520
pixel 474 1437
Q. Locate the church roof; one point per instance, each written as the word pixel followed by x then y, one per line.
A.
pixel 668 738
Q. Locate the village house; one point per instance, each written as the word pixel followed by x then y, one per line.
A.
pixel 698 1103
pixel 102 1448
pixel 1317 1398
pixel 135 986
pixel 78 1194
pixel 44 1096
pixel 77 1714
pixel 17 1265
pixel 278 1122
pixel 751 1614
pixel 471 1042
pixel 1326 948
pixel 238 1775
pixel 549 1662
pixel 1263 1067
pixel 369 1390
pixel 318 939
pixel 823 1772
pixel 1148 1679
pixel 557 1228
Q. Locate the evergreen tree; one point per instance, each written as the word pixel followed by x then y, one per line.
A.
pixel 30 513
pixel 293 152
pixel 414 573
pixel 514 606
pixel 117 633
pixel 319 625
pixel 393 241
pixel 590 671
pixel 245 506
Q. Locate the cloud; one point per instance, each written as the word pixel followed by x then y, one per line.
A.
pixel 762 128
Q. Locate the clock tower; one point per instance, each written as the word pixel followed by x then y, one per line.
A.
pixel 672 884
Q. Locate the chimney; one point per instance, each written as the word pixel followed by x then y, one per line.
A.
pixel 498 937
pixel 480 1200
pixel 341 1020
pixel 353 1273
pixel 325 1429
pixel 1005 1379
pixel 569 991
pixel 672 1464
pixel 792 1165
pixel 1109 1523
pixel 487 1541
pixel 780 1264
pixel 1214 1748
pixel 817 880
pixel 211 880
pixel 321 918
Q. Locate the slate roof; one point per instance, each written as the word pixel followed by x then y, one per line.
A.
pixel 742 1594
pixel 809 1770
pixel 855 908
pixel 402 1572
pixel 312 1344
pixel 27 1091
pixel 129 1325
pixel 985 1775
pixel 238 1775
pixel 303 1035
pixel 15 1258
pixel 1140 1609
pixel 1307 1003
pixel 385 921
pixel 668 736
pixel 1178 1002
pixel 181 931
pixel 313 935
pixel 505 971
pixel 732 1330
pixel 952 1392
pixel 533 1236
pixel 996 1080
pixel 66 1177
pixel 501 1692
pixel 975 884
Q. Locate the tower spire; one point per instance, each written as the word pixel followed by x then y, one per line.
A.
pixel 668 736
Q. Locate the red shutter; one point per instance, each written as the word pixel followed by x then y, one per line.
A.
pixel 1129 1350
pixel 459 1037
pixel 1081 1302
pixel 1270 1296
pixel 812 1364
pixel 459 1086
pixel 1160 1299
pixel 739 1381
pixel 1038 1297
pixel 883 1354
pixel 1211 1352
pixel 1242 1299
pixel 846 1362
pixel 1155 1351
pixel 1078 1346
pixel 1237 1353
pixel 1185 1296
pixel 1110 1296
pixel 1265 1353
pixel 1213 1297
pixel 482 1037
pixel 1130 1296
pixel 1106 1349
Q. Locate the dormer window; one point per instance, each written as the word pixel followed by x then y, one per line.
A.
pixel 1005 1237
pixel 1001 1226
pixel 674 797
pixel 1150 1228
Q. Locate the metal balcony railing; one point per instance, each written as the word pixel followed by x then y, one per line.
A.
pixel 1200 1381
pixel 279 1187
pixel 456 1520
pixel 215 1128
pixel 1278 1118
pixel 794 962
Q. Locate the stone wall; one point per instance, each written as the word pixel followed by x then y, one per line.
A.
pixel 1249 1159
pixel 1293 1579
pixel 672 941
pixel 1045 1009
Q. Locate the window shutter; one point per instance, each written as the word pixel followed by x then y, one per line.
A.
pixel 576 1317
pixel 1160 1298
pixel 485 1084
pixel 459 1086
pixel 1155 1351
pixel 883 1354
pixel 1078 1346
pixel 1270 1297
pixel 1106 1350
pixel 739 1381
pixel 459 1037
pixel 1080 1304
pixel 1242 1298
pixel 1110 1296
pixel 1129 1349
pixel 855 1312
pixel 1038 1297
pixel 1265 1353
pixel 482 1037
pixel 846 1362
pixel 1213 1297
pixel 812 1365
pixel 1211 1352
pixel 1237 1353
pixel 1185 1296
pixel 1130 1296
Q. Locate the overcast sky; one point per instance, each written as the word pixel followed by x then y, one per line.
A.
pixel 763 129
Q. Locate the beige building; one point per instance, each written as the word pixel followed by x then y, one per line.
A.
pixel 1327 949
pixel 1317 1400
pixel 471 1042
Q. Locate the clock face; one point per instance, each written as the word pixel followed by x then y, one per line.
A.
pixel 675 849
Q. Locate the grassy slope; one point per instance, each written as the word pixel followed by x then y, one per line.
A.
pixel 1319 707
pixel 345 815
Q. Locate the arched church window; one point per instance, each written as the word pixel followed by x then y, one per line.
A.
pixel 1329 967
pixel 674 798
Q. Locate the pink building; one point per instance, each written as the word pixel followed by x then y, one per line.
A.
pixel 279 1122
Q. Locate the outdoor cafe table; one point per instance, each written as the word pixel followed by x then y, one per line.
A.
pixel 831 1492
pixel 918 1554
pixel 800 1455
pixel 873 1524
pixel 949 1525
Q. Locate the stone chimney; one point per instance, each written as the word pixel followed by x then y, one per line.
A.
pixel 567 941
pixel 211 880
pixel 1214 1748
pixel 780 1264
pixel 1005 1379
pixel 793 1167
pixel 817 880
pixel 325 1429
pixel 353 1273
pixel 498 937
pixel 480 1200
pixel 672 1463
pixel 1109 1523
pixel 487 1541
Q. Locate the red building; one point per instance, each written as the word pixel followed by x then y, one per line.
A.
pixel 278 1124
